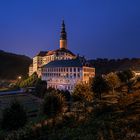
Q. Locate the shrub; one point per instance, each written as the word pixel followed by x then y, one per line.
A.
pixel 99 85
pixel 53 104
pixel 41 88
pixel 113 81
pixel 66 95
pixel 125 75
pixel 82 92
pixel 29 82
pixel 14 117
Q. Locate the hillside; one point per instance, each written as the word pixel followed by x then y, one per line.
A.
pixel 113 117
pixel 104 66
pixel 13 65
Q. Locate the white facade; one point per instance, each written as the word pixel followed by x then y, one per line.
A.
pixel 40 60
pixel 30 70
pixel 62 77
pixel 65 78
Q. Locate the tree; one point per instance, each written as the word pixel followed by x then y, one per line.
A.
pixel 30 81
pixel 125 77
pixel 82 92
pixel 41 88
pixel 53 104
pixel 66 94
pixel 14 117
pixel 99 85
pixel 113 81
pixel 50 90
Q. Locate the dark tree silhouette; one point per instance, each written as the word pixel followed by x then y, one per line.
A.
pixel 14 117
pixel 41 88
pixel 99 85
pixel 82 92
pixel 53 104
pixel 125 77
pixel 66 94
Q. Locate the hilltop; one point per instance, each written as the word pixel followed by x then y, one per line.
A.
pixel 13 65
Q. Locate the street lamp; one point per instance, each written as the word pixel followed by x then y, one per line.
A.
pixel 19 77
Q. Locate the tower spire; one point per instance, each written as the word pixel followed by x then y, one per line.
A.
pixel 63 37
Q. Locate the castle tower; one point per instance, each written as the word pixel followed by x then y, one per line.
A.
pixel 63 37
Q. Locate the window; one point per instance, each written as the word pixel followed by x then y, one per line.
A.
pixel 67 75
pixel 78 75
pixel 78 69
pixel 67 69
pixel 70 75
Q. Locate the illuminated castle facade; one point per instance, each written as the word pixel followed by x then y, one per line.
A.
pixel 61 68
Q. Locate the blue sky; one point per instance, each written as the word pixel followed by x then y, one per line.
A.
pixel 95 28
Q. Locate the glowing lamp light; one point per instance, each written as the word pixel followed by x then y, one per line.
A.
pixel 19 77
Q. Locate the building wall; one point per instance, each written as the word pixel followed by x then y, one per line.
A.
pixel 63 44
pixel 39 61
pixel 66 77
pixel 62 77
pixel 88 72
pixel 64 56
pixel 30 70
pixel 48 58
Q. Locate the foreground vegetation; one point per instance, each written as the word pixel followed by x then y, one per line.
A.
pixel 106 109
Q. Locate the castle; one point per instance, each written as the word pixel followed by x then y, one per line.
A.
pixel 61 68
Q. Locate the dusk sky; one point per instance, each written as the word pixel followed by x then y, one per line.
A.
pixel 95 28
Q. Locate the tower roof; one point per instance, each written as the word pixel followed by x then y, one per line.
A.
pixel 63 35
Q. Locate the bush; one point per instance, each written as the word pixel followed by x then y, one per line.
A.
pixel 14 117
pixel 104 109
pixel 99 85
pixel 53 104
pixel 41 88
pixel 29 82
pixel 66 95
pixel 82 92
pixel 125 75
